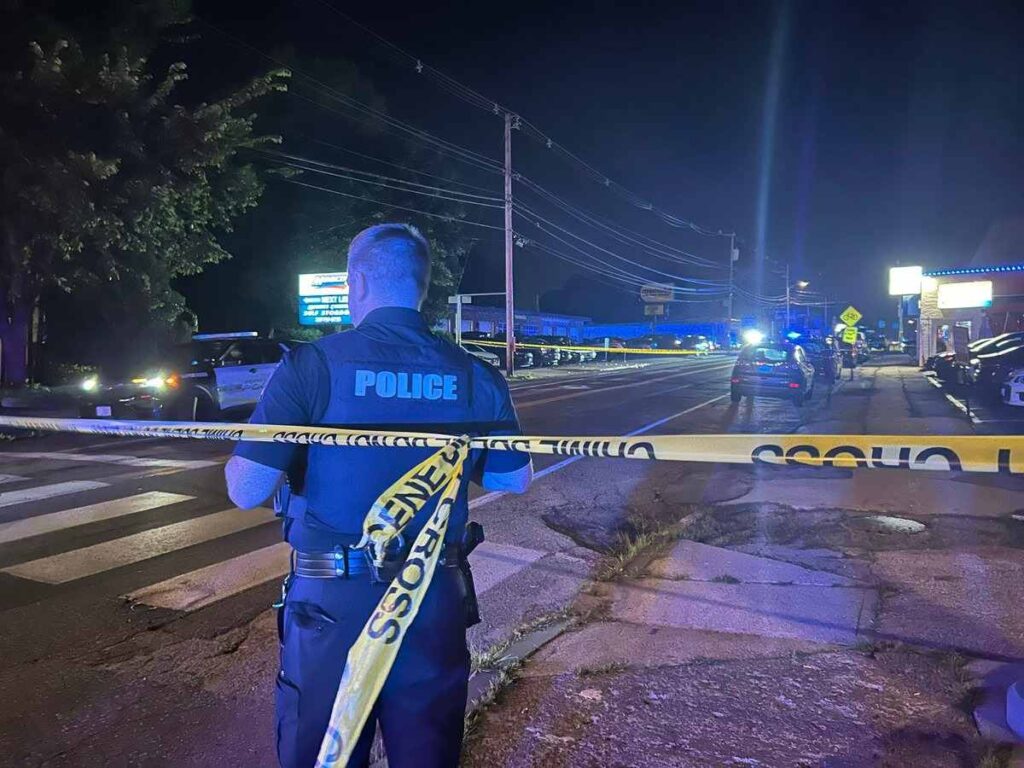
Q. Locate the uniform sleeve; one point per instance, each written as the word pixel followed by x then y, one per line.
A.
pixel 506 423
pixel 297 393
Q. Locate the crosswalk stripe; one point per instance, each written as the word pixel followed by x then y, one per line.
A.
pixel 71 518
pixel 492 564
pixel 11 478
pixel 40 492
pixel 112 458
pixel 89 561
pixel 199 588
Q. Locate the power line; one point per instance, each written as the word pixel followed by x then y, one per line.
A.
pixel 399 166
pixel 453 219
pixel 528 214
pixel 620 233
pixel 323 89
pixel 303 163
pixel 478 100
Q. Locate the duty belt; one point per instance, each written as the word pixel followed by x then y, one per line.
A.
pixel 345 563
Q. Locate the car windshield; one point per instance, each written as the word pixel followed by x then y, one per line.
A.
pixel 198 352
pixel 764 354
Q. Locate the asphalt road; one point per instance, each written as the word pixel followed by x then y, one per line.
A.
pixel 123 566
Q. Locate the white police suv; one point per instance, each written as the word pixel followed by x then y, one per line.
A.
pixel 1013 388
pixel 213 375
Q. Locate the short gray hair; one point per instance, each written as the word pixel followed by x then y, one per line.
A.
pixel 395 258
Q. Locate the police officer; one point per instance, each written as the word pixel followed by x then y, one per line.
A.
pixel 389 373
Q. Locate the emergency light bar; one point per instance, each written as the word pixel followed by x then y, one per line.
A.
pixel 216 336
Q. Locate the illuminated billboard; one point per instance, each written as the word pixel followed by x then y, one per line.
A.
pixel 905 281
pixel 965 295
pixel 323 299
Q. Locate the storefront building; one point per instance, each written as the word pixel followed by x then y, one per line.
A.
pixel 492 320
pixel 986 300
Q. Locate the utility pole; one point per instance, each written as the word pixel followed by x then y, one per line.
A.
pixel 510 343
pixel 787 297
pixel 732 269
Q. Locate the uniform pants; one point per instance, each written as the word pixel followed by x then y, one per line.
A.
pixel 422 704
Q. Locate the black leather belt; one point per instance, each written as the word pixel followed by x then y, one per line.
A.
pixel 347 563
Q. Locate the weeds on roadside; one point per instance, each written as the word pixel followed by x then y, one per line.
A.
pixel 725 578
pixel 610 668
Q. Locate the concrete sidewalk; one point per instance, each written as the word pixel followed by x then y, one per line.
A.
pixel 816 618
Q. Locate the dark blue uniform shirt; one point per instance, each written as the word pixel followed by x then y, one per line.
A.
pixel 390 373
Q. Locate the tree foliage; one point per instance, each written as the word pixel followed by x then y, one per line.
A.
pixel 111 186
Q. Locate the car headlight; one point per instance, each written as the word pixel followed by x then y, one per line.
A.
pixel 158 381
pixel 90 383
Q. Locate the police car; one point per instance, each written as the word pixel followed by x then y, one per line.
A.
pixel 1013 388
pixel 213 375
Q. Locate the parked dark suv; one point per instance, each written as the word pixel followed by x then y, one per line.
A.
pixel 773 369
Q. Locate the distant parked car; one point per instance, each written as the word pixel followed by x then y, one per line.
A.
pixel 641 342
pixel 544 353
pixel 773 369
pixel 824 355
pixel 698 344
pixel 1013 388
pixel 995 368
pixel 481 353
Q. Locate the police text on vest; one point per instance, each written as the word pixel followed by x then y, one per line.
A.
pixel 406 385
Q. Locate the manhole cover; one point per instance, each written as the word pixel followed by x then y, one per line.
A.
pixel 894 524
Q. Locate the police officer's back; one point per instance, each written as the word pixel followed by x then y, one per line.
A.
pixel 390 373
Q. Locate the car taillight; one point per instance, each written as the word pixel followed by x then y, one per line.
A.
pixel 735 380
pixel 794 385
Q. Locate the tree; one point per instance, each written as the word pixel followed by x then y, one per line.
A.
pixel 308 229
pixel 111 188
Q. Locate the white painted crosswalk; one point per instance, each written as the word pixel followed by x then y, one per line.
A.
pixel 116 553
pixel 72 518
pixel 111 458
pixel 25 495
pixel 205 586
pixel 186 592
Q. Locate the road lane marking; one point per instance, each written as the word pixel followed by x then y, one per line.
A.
pixel 492 564
pixel 602 390
pixel 89 561
pixel 40 492
pixel 204 586
pixel 487 498
pixel 956 402
pixel 112 458
pixel 72 518
pixel 11 479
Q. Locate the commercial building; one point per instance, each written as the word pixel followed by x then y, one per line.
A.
pixel 485 319
pixel 986 300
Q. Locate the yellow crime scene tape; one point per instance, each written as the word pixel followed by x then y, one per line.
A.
pixel 616 350
pixel 371 657
pixel 1001 453
pixel 373 654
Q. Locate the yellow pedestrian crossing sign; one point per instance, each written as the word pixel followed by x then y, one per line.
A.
pixel 851 316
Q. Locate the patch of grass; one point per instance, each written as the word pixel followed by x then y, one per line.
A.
pixel 610 668
pixel 628 548
pixel 500 681
pixel 726 578
pixel 995 757
pixel 701 526
pixel 491 658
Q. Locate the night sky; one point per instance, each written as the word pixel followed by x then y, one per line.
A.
pixel 897 127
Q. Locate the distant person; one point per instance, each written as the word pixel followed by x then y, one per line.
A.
pixel 349 380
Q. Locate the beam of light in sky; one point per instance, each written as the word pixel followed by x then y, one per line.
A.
pixel 769 117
